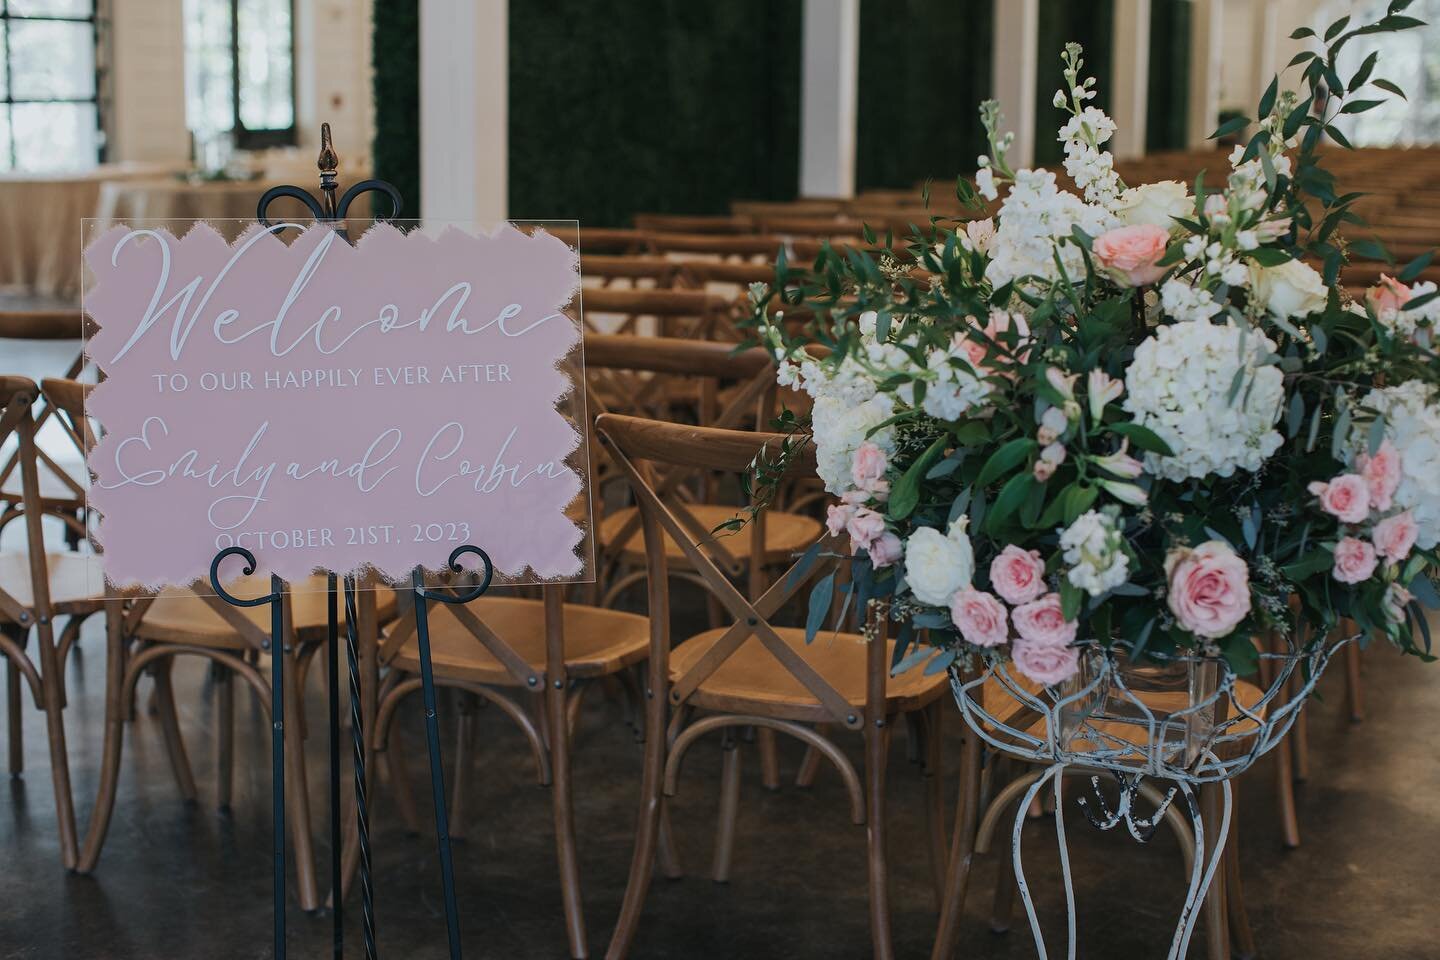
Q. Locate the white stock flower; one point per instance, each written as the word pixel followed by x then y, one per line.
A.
pixel 1179 386
pixel 1156 204
pixel 1290 290
pixel 1183 302
pixel 938 564
pixel 1035 215
pixel 1412 423
pixel 1092 552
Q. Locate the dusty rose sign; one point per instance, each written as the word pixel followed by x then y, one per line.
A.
pixel 336 406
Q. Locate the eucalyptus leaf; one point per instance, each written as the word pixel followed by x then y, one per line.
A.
pixel 820 596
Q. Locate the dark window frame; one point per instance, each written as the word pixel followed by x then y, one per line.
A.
pixel 245 138
pixel 9 99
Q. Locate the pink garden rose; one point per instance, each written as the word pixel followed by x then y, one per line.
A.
pixel 1017 575
pixel 1394 537
pixel 1133 253
pixel 867 468
pixel 1354 560
pixel 1046 663
pixel 837 518
pixel 885 550
pixel 1381 473
pixel 1388 294
pixel 1209 589
pixel 1041 622
pixel 981 618
pixel 1347 497
pixel 865 527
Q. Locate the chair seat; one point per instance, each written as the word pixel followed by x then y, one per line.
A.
pixel 752 680
pixel 76 581
pixel 55 493
pixel 179 615
pixel 597 642
pixel 786 534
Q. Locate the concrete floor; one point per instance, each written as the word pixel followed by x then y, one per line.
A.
pixel 178 881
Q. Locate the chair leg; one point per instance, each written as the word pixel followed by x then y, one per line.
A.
pixel 164 699
pixel 224 736
pixel 115 719
pixel 52 683
pixel 642 862
pixel 1217 929
pixel 729 807
pixel 12 705
pixel 1003 907
pixel 1354 686
pixel 934 797
pixel 1285 792
pixel 769 758
pixel 562 801
pixel 464 740
pixel 1240 932
pixel 877 748
pixel 298 799
pixel 962 851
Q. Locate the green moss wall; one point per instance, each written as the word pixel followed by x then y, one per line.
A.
pixel 395 55
pixel 1165 118
pixel 924 67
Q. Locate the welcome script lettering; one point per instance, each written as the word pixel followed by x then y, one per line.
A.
pixel 331 406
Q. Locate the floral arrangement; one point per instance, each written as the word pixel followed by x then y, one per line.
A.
pixel 1128 414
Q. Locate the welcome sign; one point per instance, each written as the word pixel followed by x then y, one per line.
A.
pixel 331 406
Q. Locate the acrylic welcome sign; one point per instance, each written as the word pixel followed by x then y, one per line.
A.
pixel 332 406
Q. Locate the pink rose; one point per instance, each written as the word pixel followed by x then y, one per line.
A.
pixel 1354 560
pixel 867 468
pixel 865 527
pixel 1209 589
pixel 1381 473
pixel 1017 575
pixel 1133 252
pixel 1394 537
pixel 837 518
pixel 981 618
pixel 1045 663
pixel 885 550
pixel 1388 295
pixel 1347 497
pixel 1042 622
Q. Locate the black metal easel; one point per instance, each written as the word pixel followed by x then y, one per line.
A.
pixel 329 210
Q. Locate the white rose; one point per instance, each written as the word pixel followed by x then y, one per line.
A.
pixel 936 565
pixel 1156 204
pixel 1292 289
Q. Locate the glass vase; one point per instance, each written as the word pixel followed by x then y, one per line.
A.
pixel 1148 715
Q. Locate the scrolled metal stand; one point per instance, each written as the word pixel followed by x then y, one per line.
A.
pixel 331 211
pixel 1246 733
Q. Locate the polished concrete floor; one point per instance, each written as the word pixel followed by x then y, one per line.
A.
pixel 181 881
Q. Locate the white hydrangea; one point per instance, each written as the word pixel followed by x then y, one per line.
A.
pixel 1092 552
pixel 1036 213
pixel 1183 302
pixel 839 427
pixel 1179 386
pixel 1418 324
pixel 937 564
pixel 1412 423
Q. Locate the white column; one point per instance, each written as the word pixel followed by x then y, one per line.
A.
pixel 1013 72
pixel 828 92
pixel 1265 34
pixel 464 89
pixel 1131 81
pixel 147 117
pixel 1206 49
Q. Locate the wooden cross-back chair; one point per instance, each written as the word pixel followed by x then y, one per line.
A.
pixel 751 673
pixel 629 272
pixel 145 632
pixel 532 659
pixel 38 587
pixel 693 314
pixel 62 493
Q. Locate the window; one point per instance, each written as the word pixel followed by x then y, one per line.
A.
pixel 240 71
pixel 49 111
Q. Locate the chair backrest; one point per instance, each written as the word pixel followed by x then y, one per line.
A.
pixel 638 446
pixel 18 397
pixel 675 313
